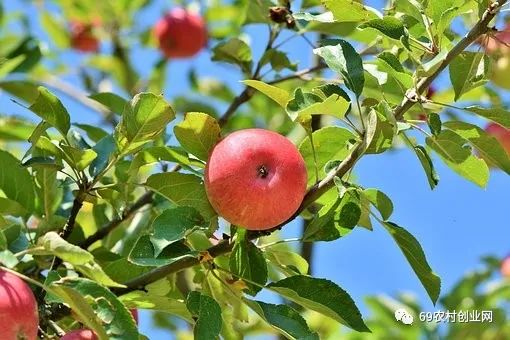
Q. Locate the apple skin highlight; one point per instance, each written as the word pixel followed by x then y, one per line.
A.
pixel 255 179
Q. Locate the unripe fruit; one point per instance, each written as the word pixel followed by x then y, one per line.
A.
pixel 505 267
pixel 181 33
pixel 82 37
pixel 255 179
pixel 501 133
pixel 80 334
pixel 18 309
pixel 500 72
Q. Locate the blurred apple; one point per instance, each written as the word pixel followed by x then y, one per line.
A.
pixel 505 267
pixel 181 33
pixel 83 38
pixel 500 72
pixel 501 133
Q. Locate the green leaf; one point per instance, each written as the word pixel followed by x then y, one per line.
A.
pixel 15 129
pixel 289 262
pixel 380 132
pixel 93 132
pixel 112 101
pixel 331 143
pixel 233 51
pixel 55 29
pixel 256 11
pixel 208 316
pixel 40 162
pixel 144 119
pixel 156 154
pixel 279 60
pixel 173 225
pixel 305 104
pixel 198 134
pixel 16 182
pixel 451 148
pixel 9 65
pixel 434 122
pixel 183 190
pixel 380 201
pixel 498 115
pixel 488 146
pixel 442 12
pixel 428 166
pixel 335 219
pixel 390 27
pixel 247 262
pixel 349 10
pixel 416 257
pixel 280 96
pixel 467 71
pixel 140 299
pixel 13 208
pixel 342 58
pixel 50 108
pixel 322 296
pixel 77 158
pixel 283 318
pixel 97 308
pixel 24 90
pixel 8 259
pixel 104 149
pixel 52 244
pixel 143 253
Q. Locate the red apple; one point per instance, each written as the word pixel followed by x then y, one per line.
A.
pixel 505 267
pixel 18 308
pixel 80 334
pixel 255 179
pixel 181 33
pixel 501 133
pixel 83 38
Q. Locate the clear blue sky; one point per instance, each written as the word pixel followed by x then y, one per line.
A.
pixel 456 223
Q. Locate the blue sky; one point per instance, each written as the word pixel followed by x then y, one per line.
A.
pixel 456 223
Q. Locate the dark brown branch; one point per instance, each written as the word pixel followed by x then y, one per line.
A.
pixel 71 221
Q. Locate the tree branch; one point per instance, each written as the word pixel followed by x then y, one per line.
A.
pixel 71 221
pixel 480 28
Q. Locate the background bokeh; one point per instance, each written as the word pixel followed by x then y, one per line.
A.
pixel 456 223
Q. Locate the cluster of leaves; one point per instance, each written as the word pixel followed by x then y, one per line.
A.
pixel 486 290
pixel 76 193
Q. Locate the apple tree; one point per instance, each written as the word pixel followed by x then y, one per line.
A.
pixel 176 197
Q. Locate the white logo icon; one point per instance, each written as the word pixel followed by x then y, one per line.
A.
pixel 403 316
